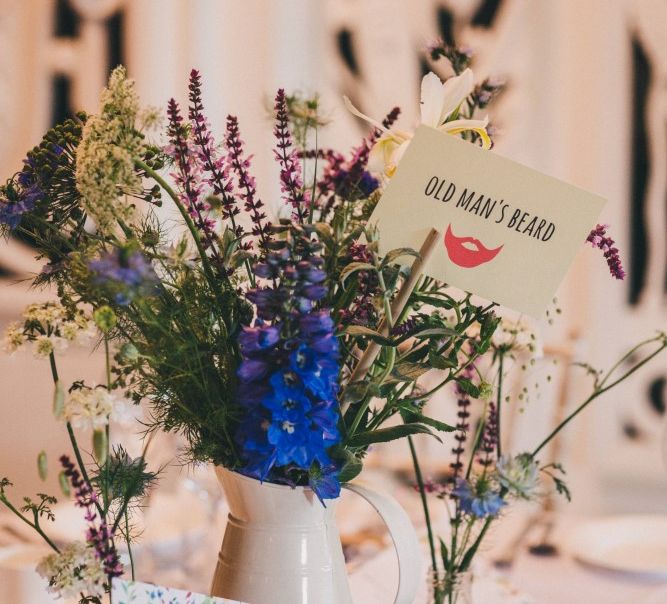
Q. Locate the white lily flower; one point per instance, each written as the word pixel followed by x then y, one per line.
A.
pixel 439 102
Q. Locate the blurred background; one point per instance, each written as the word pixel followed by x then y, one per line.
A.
pixel 586 101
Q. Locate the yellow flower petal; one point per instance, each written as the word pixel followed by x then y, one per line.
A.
pixel 478 126
pixel 387 152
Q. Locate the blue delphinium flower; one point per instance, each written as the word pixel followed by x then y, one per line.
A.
pixel 478 499
pixel 288 375
pixel 127 274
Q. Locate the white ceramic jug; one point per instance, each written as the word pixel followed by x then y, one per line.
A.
pixel 281 545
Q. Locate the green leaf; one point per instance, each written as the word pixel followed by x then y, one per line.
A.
pixel 438 361
pixel 355 392
pixel 562 488
pixel 410 371
pixel 325 233
pixel 468 387
pixel 384 435
pixel 416 417
pixel 444 554
pixel 354 267
pixel 391 256
pixel 436 331
pixel 366 332
pixel 436 302
pixel 351 465
pixel 238 258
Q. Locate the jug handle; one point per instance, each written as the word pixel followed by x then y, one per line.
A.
pixel 404 538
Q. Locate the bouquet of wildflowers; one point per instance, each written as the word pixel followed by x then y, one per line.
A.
pixel 484 479
pixel 245 334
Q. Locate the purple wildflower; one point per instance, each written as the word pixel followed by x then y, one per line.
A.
pixel 211 162
pixel 485 92
pixel 190 179
pixel 490 436
pixel 478 499
pixel 348 178
pixel 240 164
pixel 361 311
pixel 598 238
pixel 98 534
pixel 126 274
pixel 14 206
pixel 291 180
pixel 462 425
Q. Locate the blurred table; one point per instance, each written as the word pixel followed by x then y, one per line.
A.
pixel 533 580
pixel 175 537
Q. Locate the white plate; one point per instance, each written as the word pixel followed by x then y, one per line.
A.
pixel 634 544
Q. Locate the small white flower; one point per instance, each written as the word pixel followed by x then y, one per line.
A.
pixel 439 102
pixel 49 327
pixel 14 337
pixel 89 408
pixel 74 571
pixel 44 346
pixel 518 474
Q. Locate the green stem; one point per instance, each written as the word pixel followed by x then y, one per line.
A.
pixel 107 360
pixel 129 546
pixel 70 432
pixel 470 554
pixel 499 401
pixel 206 265
pixel 601 390
pixel 34 526
pixel 424 501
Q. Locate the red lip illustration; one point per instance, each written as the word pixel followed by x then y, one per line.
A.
pixel 467 257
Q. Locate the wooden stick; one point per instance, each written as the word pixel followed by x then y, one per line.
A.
pixel 397 306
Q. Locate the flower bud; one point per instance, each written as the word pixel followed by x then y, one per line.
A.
pixel 100 446
pixel 42 465
pixel 129 352
pixel 105 318
pixel 485 391
pixel 58 400
pixel 64 484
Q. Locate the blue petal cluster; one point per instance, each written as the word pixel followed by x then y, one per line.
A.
pixel 288 377
pixel 126 274
pixel 477 500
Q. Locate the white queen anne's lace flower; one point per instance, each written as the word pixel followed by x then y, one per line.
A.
pixel 105 171
pixel 49 327
pixel 74 571
pixel 90 408
pixel 14 337
pixel 44 346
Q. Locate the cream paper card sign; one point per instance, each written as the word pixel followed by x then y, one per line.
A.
pixel 507 233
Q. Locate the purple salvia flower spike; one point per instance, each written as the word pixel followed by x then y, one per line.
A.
pixel 101 539
pixel 239 164
pixel 288 158
pixel 190 180
pixel 212 163
pixel 598 238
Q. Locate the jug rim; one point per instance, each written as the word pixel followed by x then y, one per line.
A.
pixel 264 483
